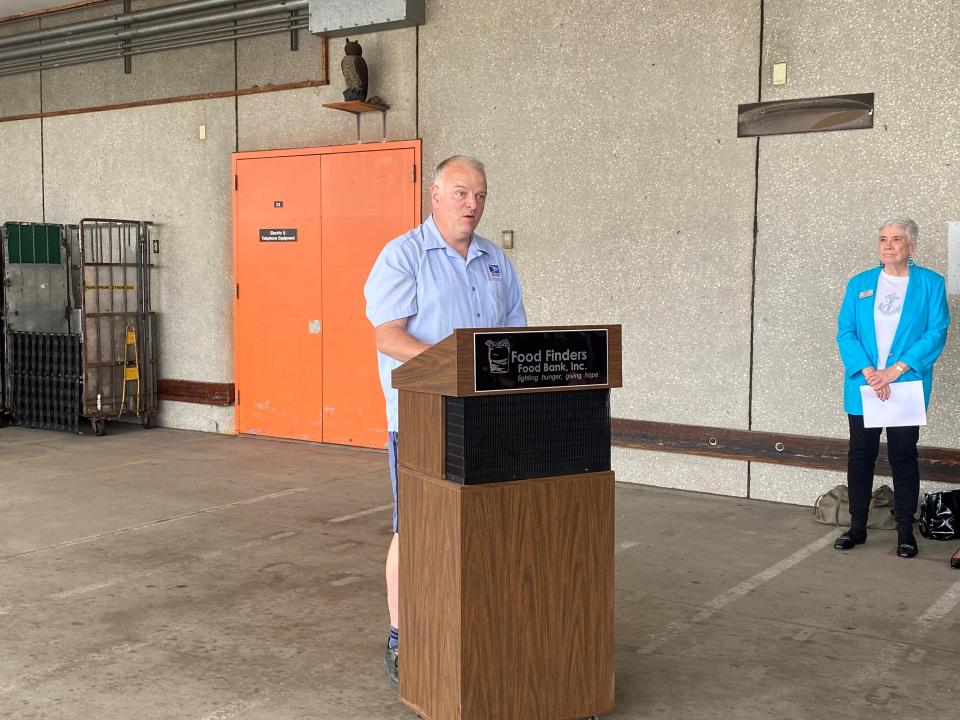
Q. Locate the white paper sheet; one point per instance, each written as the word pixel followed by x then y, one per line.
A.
pixel 904 406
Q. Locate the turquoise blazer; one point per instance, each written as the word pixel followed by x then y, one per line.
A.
pixel 919 340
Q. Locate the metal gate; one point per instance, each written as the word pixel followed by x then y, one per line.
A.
pixel 118 326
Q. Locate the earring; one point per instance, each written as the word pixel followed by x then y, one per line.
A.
pixel 910 261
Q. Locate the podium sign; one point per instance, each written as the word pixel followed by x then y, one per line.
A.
pixel 512 360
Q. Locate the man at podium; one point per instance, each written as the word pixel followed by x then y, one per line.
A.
pixel 436 278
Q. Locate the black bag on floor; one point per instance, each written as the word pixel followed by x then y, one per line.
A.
pixel 940 515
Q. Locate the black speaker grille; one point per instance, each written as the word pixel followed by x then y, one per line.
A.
pixel 494 438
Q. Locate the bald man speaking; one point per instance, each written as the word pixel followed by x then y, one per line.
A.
pixel 436 278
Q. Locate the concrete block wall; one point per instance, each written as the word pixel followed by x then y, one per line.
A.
pixel 609 133
pixel 823 194
pixel 183 71
pixel 297 118
pixel 632 200
pixel 21 175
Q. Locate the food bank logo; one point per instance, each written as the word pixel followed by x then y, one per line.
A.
pixel 498 356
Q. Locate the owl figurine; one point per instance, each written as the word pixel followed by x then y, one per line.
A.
pixel 354 69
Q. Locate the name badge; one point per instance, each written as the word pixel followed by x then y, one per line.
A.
pixel 866 293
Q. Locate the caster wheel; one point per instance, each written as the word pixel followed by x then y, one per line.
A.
pixel 99 426
pixel 146 420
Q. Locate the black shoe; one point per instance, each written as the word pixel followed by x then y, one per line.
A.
pixel 849 539
pixel 906 545
pixel 391 665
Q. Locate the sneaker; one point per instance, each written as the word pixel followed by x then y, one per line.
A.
pixel 391 665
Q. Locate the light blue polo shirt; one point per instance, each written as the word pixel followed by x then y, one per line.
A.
pixel 420 277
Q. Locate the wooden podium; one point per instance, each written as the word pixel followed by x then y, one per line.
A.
pixel 506 504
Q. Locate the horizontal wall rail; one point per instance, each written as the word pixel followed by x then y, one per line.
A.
pixel 256 90
pixel 191 391
pixel 937 464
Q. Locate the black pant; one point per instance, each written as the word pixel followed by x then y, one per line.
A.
pixel 861 459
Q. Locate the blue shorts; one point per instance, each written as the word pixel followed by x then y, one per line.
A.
pixel 392 443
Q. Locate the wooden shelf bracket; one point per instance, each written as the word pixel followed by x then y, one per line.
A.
pixel 357 108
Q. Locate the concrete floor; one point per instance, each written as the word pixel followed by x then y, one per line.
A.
pixel 171 574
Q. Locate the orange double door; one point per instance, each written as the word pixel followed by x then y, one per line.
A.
pixel 307 227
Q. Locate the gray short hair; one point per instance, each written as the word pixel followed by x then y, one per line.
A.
pixel 908 225
pixel 459 160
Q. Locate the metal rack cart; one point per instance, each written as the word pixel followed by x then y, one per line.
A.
pixel 78 331
pixel 41 353
pixel 117 324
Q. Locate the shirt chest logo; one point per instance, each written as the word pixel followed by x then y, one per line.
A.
pixel 890 305
pixel 494 272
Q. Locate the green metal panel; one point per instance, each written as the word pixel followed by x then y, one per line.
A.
pixel 26 244
pixel 53 244
pixel 39 233
pixel 12 232
pixel 36 278
pixel 33 243
pixel 40 253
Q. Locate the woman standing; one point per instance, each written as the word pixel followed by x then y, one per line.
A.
pixel 892 327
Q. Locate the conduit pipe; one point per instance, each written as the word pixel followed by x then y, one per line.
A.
pixel 132 33
pixel 204 37
pixel 277 24
pixel 132 18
